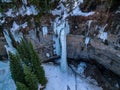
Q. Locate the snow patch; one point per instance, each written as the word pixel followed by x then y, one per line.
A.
pixel 65 11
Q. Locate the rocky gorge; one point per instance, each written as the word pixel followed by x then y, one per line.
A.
pixel 92 38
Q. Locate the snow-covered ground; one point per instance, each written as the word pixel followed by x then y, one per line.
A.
pixel 57 80
pixel 6 82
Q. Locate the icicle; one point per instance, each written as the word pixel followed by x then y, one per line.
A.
pixel 89 24
pixel 9 47
pixel 87 40
pixel 7 37
pixel 44 30
pixel 61 29
pixel 15 32
pixel 64 32
pixel 56 37
pixel 102 34
pixel 81 68
pixel 56 45
pixel 63 51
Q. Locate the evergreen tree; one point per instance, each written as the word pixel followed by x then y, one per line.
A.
pixel 23 50
pixel 30 78
pixel 30 58
pixel 16 68
pixel 21 86
pixel 38 69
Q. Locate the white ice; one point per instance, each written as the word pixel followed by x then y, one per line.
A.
pixel 63 11
pixel 87 40
pixel 7 37
pixel 9 13
pixel 15 31
pixel 63 60
pixel 61 29
pixel 103 35
pixel 44 30
pixel 56 36
pixel 58 80
pixel 24 2
pixel 64 31
pixel 23 10
pixel 47 54
pixel 31 10
pixel 81 67
pixel 78 12
pixel 6 82
pixel 2 21
pixel 89 24
pixel 9 47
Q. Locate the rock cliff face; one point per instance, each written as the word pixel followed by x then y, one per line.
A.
pixel 3 53
pixel 96 50
pixel 102 29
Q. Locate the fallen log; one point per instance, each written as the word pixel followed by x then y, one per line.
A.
pixel 51 59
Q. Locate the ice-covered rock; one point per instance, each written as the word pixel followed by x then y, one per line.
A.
pixel 45 30
pixel 87 40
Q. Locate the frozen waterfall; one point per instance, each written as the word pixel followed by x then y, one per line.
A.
pixel 61 29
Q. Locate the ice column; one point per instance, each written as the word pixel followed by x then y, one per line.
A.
pixel 64 32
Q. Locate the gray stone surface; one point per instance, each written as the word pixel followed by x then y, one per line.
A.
pixel 105 55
